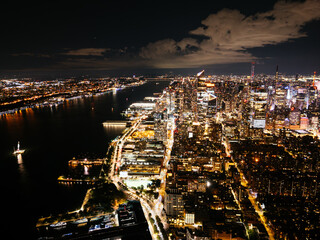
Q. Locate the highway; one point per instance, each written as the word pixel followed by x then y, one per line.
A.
pixel 113 175
pixel 154 207
pixel 147 208
pixel 116 160
pixel 163 173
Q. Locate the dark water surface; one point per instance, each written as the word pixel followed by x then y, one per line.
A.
pixel 51 137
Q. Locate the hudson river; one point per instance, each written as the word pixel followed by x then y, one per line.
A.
pixel 51 137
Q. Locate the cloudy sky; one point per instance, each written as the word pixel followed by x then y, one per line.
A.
pixel 159 36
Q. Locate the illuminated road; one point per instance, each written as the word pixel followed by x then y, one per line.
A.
pixel 118 147
pixel 154 207
pixel 163 174
pixel 166 160
pixel 260 213
pixel 113 175
pixel 147 208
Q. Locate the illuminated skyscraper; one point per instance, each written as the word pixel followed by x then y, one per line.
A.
pixel 294 119
pixel 252 72
pixel 258 107
pixel 304 121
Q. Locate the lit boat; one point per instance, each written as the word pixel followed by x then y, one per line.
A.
pixel 18 151
pixel 59 225
pixel 80 221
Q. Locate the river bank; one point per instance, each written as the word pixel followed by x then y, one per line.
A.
pixel 52 137
pixel 56 99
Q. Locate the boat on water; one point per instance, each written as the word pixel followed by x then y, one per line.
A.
pixel 80 222
pixel 59 225
pixel 18 151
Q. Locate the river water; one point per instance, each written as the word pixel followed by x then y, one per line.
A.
pixel 52 136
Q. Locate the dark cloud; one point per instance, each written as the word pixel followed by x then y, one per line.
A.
pixel 225 37
pixel 229 34
pixel 86 52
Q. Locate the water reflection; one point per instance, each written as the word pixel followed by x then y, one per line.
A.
pixel 113 130
pixel 19 157
pixel 16 122
pixel 52 108
pixel 20 162
pixel 114 96
pixel 86 170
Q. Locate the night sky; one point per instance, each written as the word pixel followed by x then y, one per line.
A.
pixel 161 36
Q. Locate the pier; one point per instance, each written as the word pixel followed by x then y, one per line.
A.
pixel 63 179
pixel 115 123
pixel 82 162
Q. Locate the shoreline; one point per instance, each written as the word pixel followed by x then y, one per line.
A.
pixel 61 100
pixel 89 190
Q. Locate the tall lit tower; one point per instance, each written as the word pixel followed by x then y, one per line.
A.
pixel 276 79
pixel 252 72
pixel 198 86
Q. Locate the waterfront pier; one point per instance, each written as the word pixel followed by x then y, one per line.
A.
pixel 67 180
pixel 115 123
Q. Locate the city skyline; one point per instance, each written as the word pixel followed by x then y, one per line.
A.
pixel 216 157
pixel 145 37
pixel 160 119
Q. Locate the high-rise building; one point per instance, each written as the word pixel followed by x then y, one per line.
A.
pixel 304 121
pixel 202 96
pixel 173 203
pixel 160 127
pixel 252 72
pixel 280 98
pixel 294 119
pixel 301 99
pixel 312 96
pixel 189 216
pixel 258 108
pixel 279 122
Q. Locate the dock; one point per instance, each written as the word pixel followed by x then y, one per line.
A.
pixel 67 180
pixel 115 123
pixel 83 162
